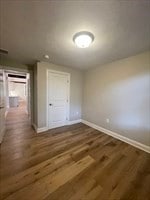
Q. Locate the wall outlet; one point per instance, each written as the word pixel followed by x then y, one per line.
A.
pixel 107 120
pixel 77 113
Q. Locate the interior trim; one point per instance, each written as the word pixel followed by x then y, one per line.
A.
pixel 101 129
pixel 39 130
pixel 118 136
pixel 74 121
pixel 47 101
pixel 42 129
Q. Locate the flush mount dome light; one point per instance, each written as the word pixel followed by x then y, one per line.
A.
pixel 46 56
pixel 83 39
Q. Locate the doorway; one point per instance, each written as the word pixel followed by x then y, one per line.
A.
pixel 58 98
pixel 18 93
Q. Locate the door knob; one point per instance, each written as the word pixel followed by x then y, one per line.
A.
pixel 50 104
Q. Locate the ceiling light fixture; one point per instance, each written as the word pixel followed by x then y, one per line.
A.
pixel 46 56
pixel 83 39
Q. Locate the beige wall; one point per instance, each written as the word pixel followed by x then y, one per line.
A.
pixel 13 65
pixel 120 91
pixel 75 91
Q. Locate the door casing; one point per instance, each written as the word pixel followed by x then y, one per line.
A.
pixel 47 90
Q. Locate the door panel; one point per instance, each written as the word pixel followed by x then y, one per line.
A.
pixel 57 99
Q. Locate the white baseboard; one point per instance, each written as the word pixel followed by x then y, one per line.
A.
pixel 118 136
pixel 39 130
pixel 108 132
pixel 74 121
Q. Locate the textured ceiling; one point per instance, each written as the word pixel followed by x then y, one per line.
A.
pixel 31 28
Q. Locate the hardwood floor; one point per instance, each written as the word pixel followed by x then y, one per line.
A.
pixel 70 163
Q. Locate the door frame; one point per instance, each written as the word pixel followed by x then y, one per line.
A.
pixel 28 97
pixel 47 89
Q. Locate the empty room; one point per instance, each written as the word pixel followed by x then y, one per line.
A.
pixel 75 99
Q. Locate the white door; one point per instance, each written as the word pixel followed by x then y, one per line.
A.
pixel 58 99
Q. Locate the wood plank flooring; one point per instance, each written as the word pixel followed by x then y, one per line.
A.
pixel 69 163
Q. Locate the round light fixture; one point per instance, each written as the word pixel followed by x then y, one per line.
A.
pixel 46 56
pixel 83 39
